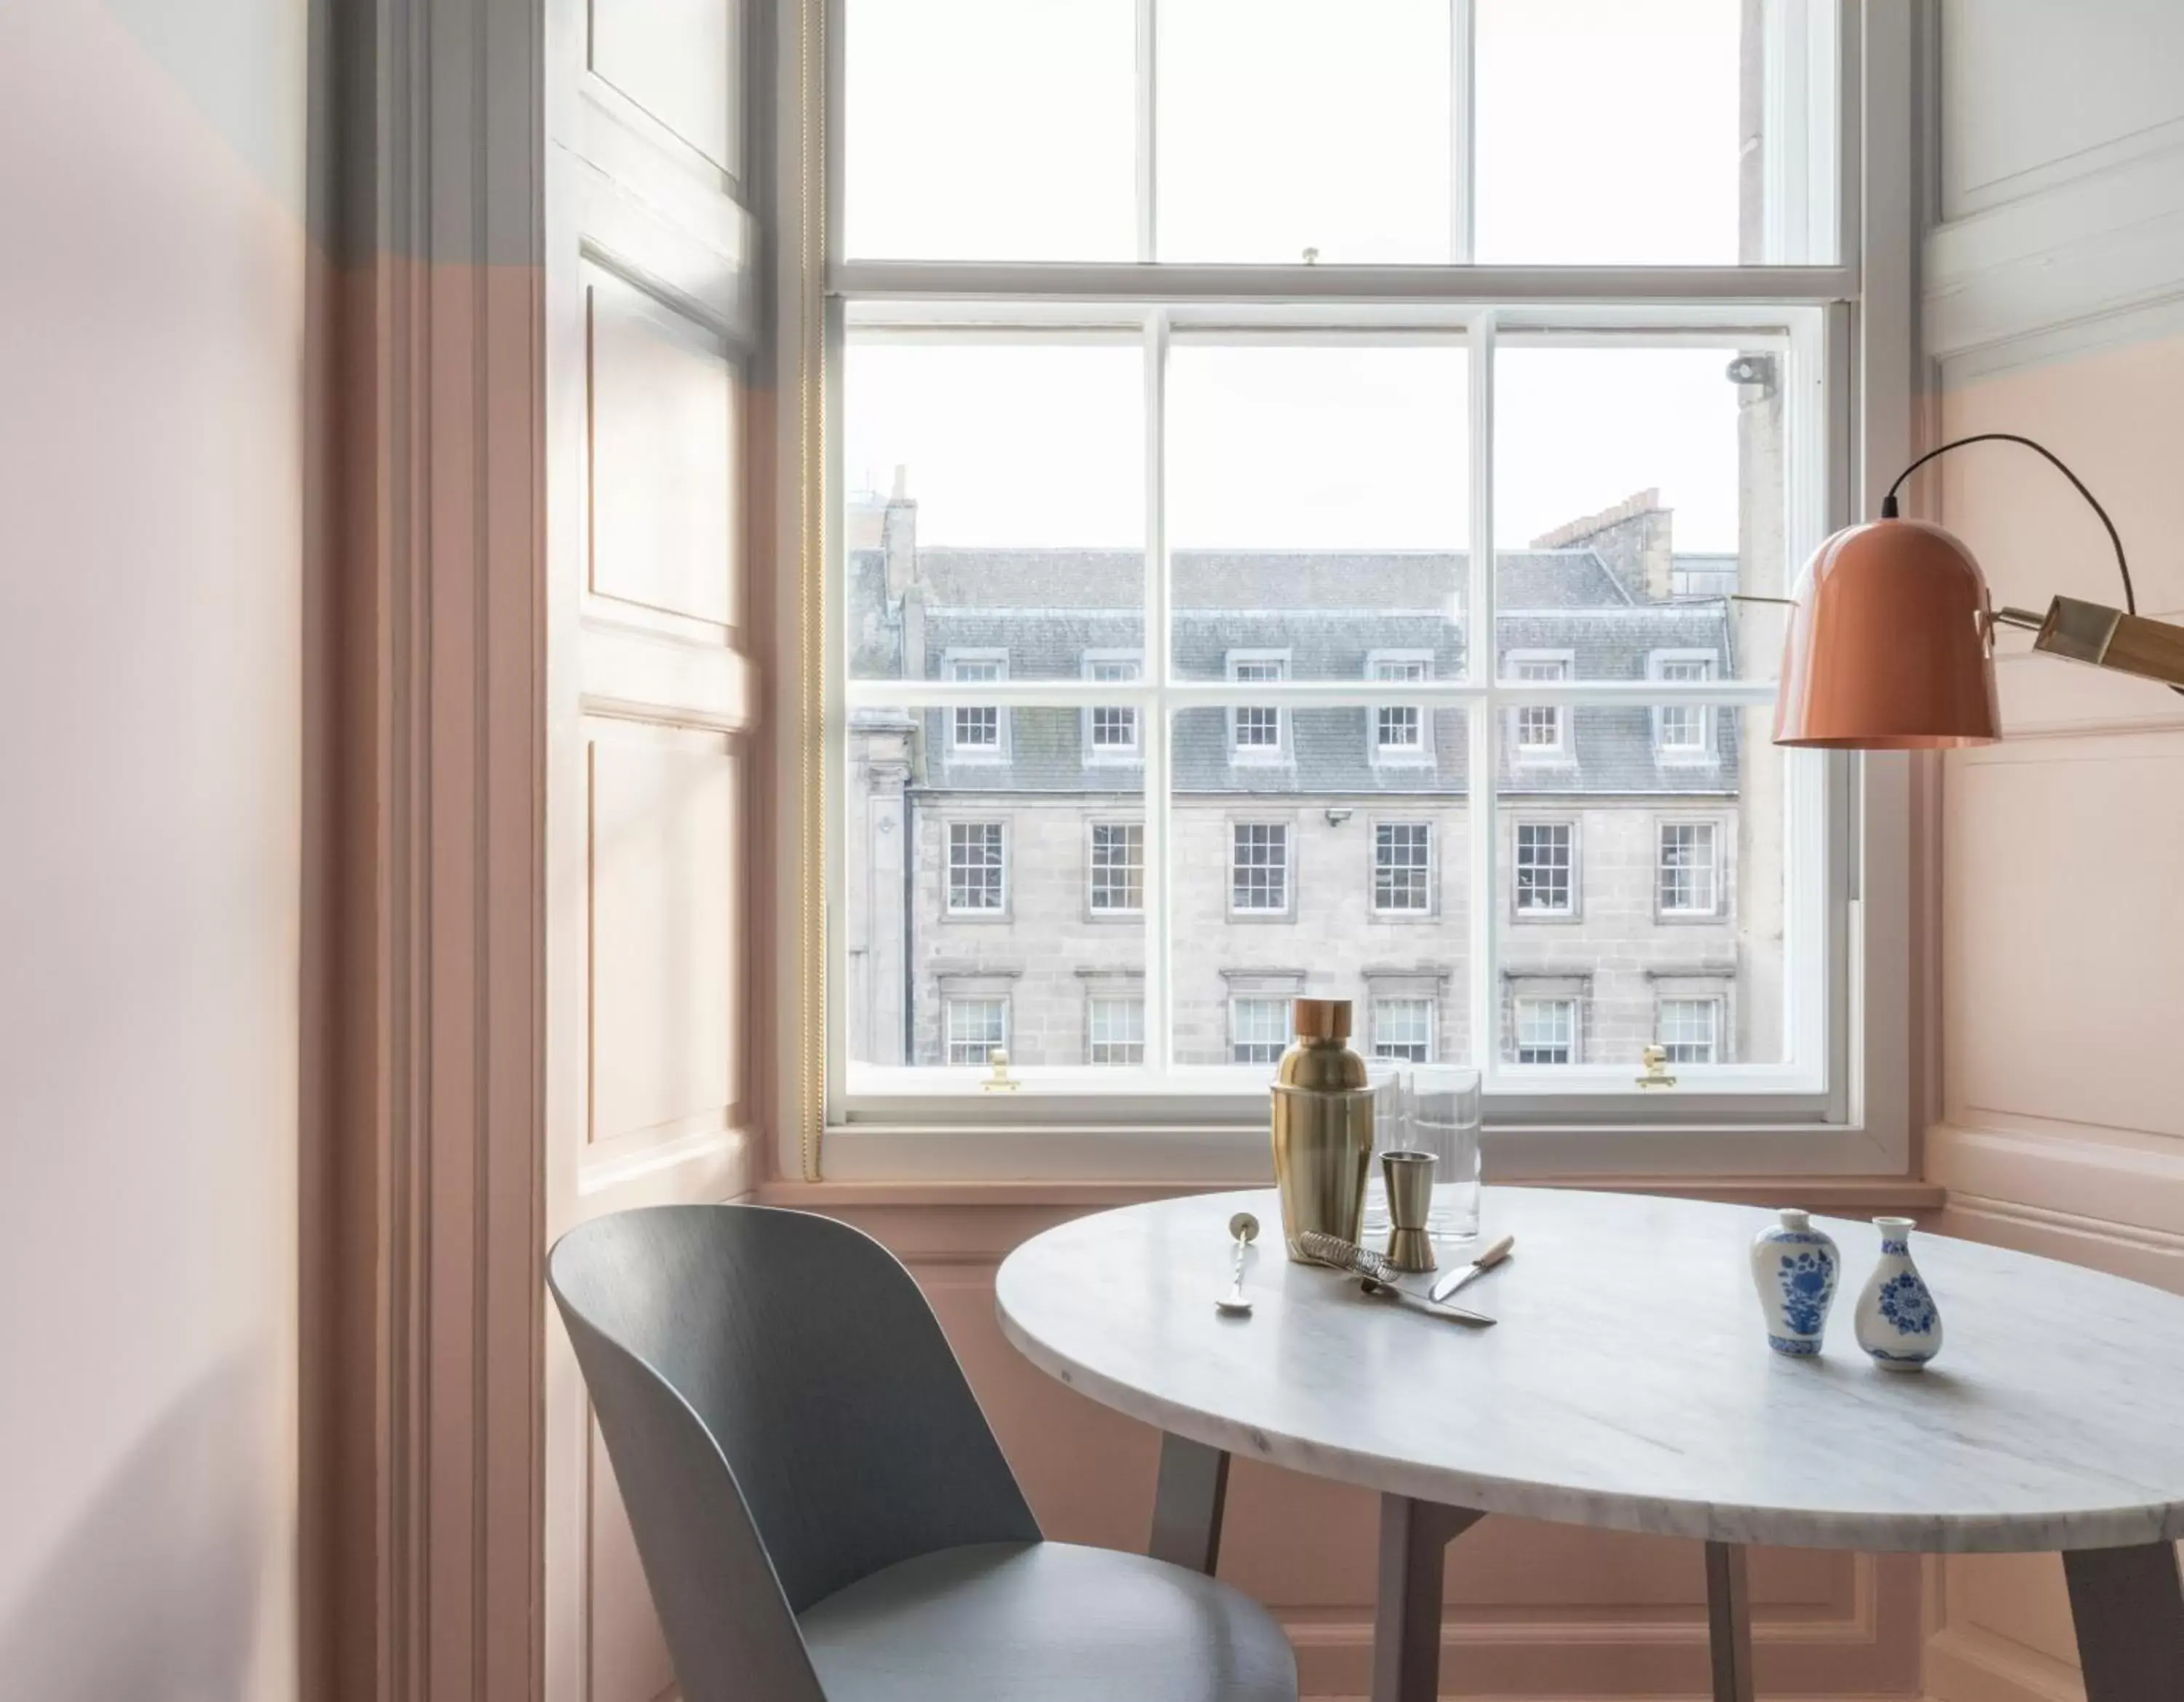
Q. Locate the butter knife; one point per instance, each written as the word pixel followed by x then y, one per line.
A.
pixel 1486 1261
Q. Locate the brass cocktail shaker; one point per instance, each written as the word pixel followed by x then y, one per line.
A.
pixel 1323 1128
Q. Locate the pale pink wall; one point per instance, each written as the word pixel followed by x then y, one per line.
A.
pixel 2063 935
pixel 151 333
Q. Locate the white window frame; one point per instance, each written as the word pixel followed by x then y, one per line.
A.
pixel 1573 908
pixel 1382 1005
pixel 973 913
pixel 1095 1002
pixel 1132 753
pixel 1842 1104
pixel 1431 871
pixel 952 662
pixel 1421 754
pixel 1572 1009
pixel 1659 663
pixel 1717 1008
pixel 1093 907
pixel 1287 827
pixel 1274 1047
pixel 1233 665
pixel 1717 872
pixel 1516 666
pixel 949 1004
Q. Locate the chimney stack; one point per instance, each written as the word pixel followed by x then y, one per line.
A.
pixel 1634 538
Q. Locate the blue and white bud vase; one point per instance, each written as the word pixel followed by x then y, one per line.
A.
pixel 1897 1320
pixel 1794 1266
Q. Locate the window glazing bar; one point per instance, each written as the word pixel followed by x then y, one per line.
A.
pixel 1309 694
pixel 1507 285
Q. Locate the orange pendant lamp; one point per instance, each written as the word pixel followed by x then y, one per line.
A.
pixel 1891 631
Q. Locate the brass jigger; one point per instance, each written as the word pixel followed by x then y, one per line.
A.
pixel 1410 1199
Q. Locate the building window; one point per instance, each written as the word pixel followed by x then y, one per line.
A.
pixel 1689 1030
pixel 1683 730
pixel 1402 866
pixel 1546 869
pixel 1259 867
pixel 1285 543
pixel 1118 867
pixel 1256 730
pixel 1690 869
pixel 1540 729
pixel 978 867
pixel 1111 730
pixel 1116 1030
pixel 1403 1030
pixel 975 1027
pixel 1399 730
pixel 1545 1030
pixel 1258 1029
pixel 974 730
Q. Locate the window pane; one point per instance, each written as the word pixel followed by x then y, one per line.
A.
pixel 990 130
pixel 1626 884
pixel 1117 1027
pixel 1285 127
pixel 1617 132
pixel 1635 490
pixel 1326 877
pixel 996 506
pixel 1403 1030
pixel 1026 885
pixel 1318 506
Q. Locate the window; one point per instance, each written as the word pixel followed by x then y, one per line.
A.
pixel 1545 1031
pixel 1255 731
pixel 1111 730
pixel 1431 529
pixel 1399 729
pixel 1545 864
pixel 975 1027
pixel 1689 1030
pixel 1403 1030
pixel 1683 731
pixel 1119 868
pixel 1536 729
pixel 978 867
pixel 1258 1029
pixel 1690 875
pixel 1116 1028
pixel 1402 866
pixel 975 729
pixel 1259 867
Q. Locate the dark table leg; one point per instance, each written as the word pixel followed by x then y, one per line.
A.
pixel 2129 1606
pixel 1414 1539
pixel 1728 1622
pixel 1187 1501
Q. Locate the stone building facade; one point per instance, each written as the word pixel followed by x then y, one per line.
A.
pixel 995 855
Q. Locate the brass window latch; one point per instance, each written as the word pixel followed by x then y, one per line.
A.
pixel 999 1081
pixel 1655 1061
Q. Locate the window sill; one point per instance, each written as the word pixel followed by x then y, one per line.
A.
pixel 1835 1196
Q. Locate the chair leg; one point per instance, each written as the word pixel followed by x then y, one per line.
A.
pixel 1728 1622
pixel 2129 1607
pixel 1188 1499
pixel 1414 1539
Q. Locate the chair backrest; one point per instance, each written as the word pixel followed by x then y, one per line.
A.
pixel 784 1416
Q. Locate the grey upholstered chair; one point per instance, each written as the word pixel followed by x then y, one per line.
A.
pixel 823 1514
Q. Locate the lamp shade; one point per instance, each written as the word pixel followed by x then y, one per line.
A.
pixel 1887 648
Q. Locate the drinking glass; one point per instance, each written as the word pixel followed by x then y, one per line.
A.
pixel 1442 1113
pixel 1392 1133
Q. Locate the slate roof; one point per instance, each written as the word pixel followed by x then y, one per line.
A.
pixel 1047 608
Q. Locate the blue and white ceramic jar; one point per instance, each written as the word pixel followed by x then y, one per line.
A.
pixel 1795 1267
pixel 1897 1321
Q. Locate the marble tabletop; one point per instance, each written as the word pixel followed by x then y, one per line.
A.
pixel 1629 1384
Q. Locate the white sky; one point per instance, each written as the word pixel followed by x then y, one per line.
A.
pixel 1606 132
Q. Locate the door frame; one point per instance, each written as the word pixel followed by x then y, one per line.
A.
pixel 421 1309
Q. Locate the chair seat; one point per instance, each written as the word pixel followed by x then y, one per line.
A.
pixel 1045 1622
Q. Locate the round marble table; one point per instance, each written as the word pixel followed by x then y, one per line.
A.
pixel 1629 1384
